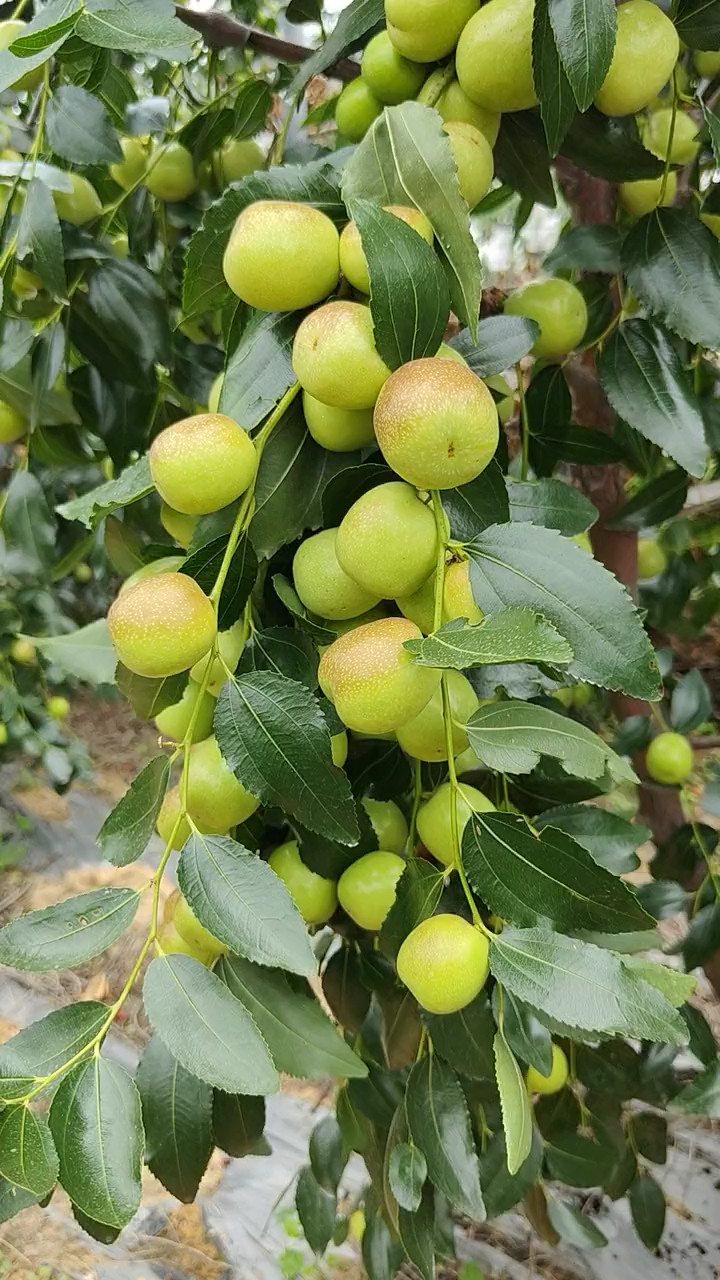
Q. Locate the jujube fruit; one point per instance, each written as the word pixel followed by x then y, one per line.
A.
pixel 13 423
pixel 23 651
pixel 388 823
pixel 655 134
pixel 216 800
pixel 641 197
pixel 506 405
pixel 203 463
pixel 180 526
pixel 162 625
pixel 387 541
pixel 174 721
pixel 419 606
pixel 10 29
pixel 236 158
pixel 494 56
pixel 314 896
pixel 434 822
pixel 128 171
pixel 339 748
pixel 436 423
pixel 646 50
pixel 356 109
pixel 458 599
pixel 3 734
pixel 58 707
pixel 81 204
pixel 338 430
pixel 367 889
pixel 372 679
pixel 172 176
pixel 555 1081
pixel 454 105
pixel 559 309
pixel 444 962
pixel 651 558
pixel 387 74
pixel 282 256
pixel 473 160
pixel 669 759
pixel 165 564
pixel 229 647
pixel 353 262
pixel 335 358
pixel 171 942
pixel 424 737
pixel 323 585
pixel 168 817
pixel 706 63
pixel 178 910
pixel 426 30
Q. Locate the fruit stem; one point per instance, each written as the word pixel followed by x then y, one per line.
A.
pixel 671 135
pixel 441 532
pixel 524 422
pixel 715 881
pixel 441 84
pixel 417 794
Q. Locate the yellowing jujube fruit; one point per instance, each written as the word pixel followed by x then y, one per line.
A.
pixel 81 204
pixel 13 424
pixel 425 30
pixel 706 63
pixel 335 358
pixel 338 430
pixel 494 56
pixel 712 222
pixel 655 134
pixel 170 942
pixel 558 307
pixel 387 541
pixel 216 800
pixel 458 599
pixel 353 262
pixel 356 109
pixel 553 1083
pixel 282 256
pixel 128 171
pixel 419 607
pixel 172 176
pixel 387 74
pixel 436 423
pixel 314 896
pixel 669 758
pixel 424 737
pixel 174 721
pixel 229 646
pixel 646 50
pixel 444 962
pixel 9 31
pixel 162 625
pixel 23 651
pixel 473 160
pixel 641 197
pixel 180 526
pixel 203 463
pixel 388 823
pixel 651 558
pixel 367 889
pixel 3 734
pixel 434 821
pixel 323 585
pixel 454 105
pixel 236 158
pixel 58 707
pixel 178 910
pixel 372 679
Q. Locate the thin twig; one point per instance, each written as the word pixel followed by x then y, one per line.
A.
pixel 220 31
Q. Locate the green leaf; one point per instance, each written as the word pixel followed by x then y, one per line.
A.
pixel 259 370
pixel 316 1209
pixel 238 1123
pixel 17 341
pixel 28 526
pixel 523 878
pixel 464 1039
pixel 27 1153
pixel 611 840
pixel 128 828
pixel 703 936
pixel 552 504
pixel 582 986
pixel 501 342
pixel 136 27
pixel 405 158
pixel 301 1039
pixel 56 19
pixel 712 122
pixel 273 736
pixel 654 503
pixel 287 594
pixel 283 650
pixel 377 1250
pixel 501 1190
pixel 578 1161
pixel 79 127
pixel 356 21
pixel 512 736
pixel 417 1233
pixel 647 1208
pixel 407 1172
pixel 525 565
pixel 148 697
pixel 417 895
pixel 473 507
pixel 691 703
pixel 439 1122
pixel 243 903
pixel 209 1032
pixel 68 933
pixel 347 486
pixel 557 104
pixel 87 654
pixel 13 1199
pixel 609 147
pixel 575 1227
pixel 512 635
pixel 517 1116
pixel 409 296
pixel 672 264
pixel 96 1121
pixel 122 326
pixel 585 37
pixel 698 23
pixel 328 1156
pixel 39 234
pixel 204 566
pixel 644 380
pixel 650 1136
pixel 132 483
pixel 522 159
pixel 44 1046
pixel 589 247
pixel 177 1115
pixel 702 1096
pixel 525 1034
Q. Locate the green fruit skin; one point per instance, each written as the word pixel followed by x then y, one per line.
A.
pixel 174 721
pixel 282 256
pixel 494 56
pixel 639 198
pixel 433 822
pixel 353 262
pixel 655 134
pixel 707 64
pixel 651 558
pixel 9 31
pixel 128 171
pixel 230 646
pixel 559 1072
pixel 646 50
pixel 216 800
pixel 13 424
pixel 180 526
pixel 190 928
pixel 166 564
pixel 424 737
pixel 315 897
pixel 203 463
pixel 120 245
pixel 419 607
pixel 235 159
pixel 458 599
pixel 3 734
pixel 558 307
pixel 712 222
pixel 506 406
pixel 58 707
pixel 339 748
pixel 446 352
pixel 371 678
pixel 323 585
pixel 388 822
pixel 425 30
pixel 215 393
pixel 367 889
pixel 387 541
pixel 170 942
pixel 23 651
pixel 436 423
pixel 444 962
pixel 80 205
pixel 335 358
pixel 338 430
pixel 454 105
pixel 468 761
pixel 356 109
pixel 162 625
pixel 669 759
pixel 172 176
pixel 473 160
pixel 387 74
pixel 167 818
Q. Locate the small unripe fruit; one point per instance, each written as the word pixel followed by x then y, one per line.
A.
pixel 58 707
pixel 120 245
pixel 372 679
pixel 458 599
pixel 353 262
pixel 434 821
pixel 712 222
pixel 172 176
pixel 559 1072
pixel 82 573
pixel 669 759
pixel 174 721
pixel 419 607
pixel 387 74
pixel 388 822
pixel 651 558
pixel 230 646
pixel 24 652
pixel 162 625
pixel 282 256
pixel 367 889
pixel 80 205
pixel 3 734
pixel 216 800
pixel 444 962
pixel 215 393
pixel 13 424
pixel 387 541
pixel 646 50
pixel 9 31
pixel 25 284
pixel 128 171
pixel 171 942
pixel 473 160
pixel 335 358
pixel 338 430
pixel 655 134
pixel 426 30
pixel 641 197
pixel 236 158
pixel 436 423
pixel 357 1224
pixel 706 63
pixel 454 105
pixel 494 56
pixel 558 307
pixel 180 526
pixel 178 910
pixel 314 896
pixel 323 585
pixel 203 463
pixel 339 749
pixel 167 818
pixel 424 737
pixel 356 109
pixel 165 564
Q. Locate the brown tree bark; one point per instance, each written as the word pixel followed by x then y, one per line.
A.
pixel 220 31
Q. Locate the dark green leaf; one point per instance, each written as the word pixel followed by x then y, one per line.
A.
pixel 133 483
pixel 57 20
pixel 328 1155
pixel 577 1161
pixel 28 526
pixel 585 37
pixel 501 342
pixel 464 1039
pixel 698 23
pixel 672 263
pixel 418 893
pixel 647 1207
pixel 417 1233
pixel 702 1097
pixel 259 372
pixel 27 1153
pixel 148 697
pixel 408 1171
pixel 13 1199
pixel 79 128
pixel 501 1191
pixel 650 1135
pixel 654 503
pixel 68 933
pixel 575 1227
pixel 512 635
pixel 512 736
pixel 135 28
pixel 238 1123
pixel 611 840
pixel 609 147
pixel 17 342
pixel 526 1036
pixel 691 703
pixel 475 506
pixel 177 1115
pixel 204 567
pixel 43 1047
pixel 712 122
pixel 703 936
pixel 355 22
pixel 557 104
pixel 127 310
pixel 590 247
pixel 439 1123
pixel 522 158
pixel 551 504
pixel 517 1113
pixel 283 650
pixel 702 1041
pixel 347 486
pixel 316 1210
pixel 377 1250
pixel 290 598
pixel 127 830
pixel 39 234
